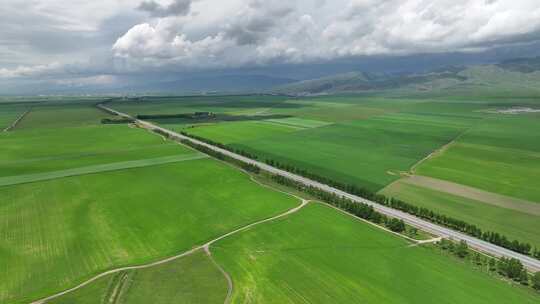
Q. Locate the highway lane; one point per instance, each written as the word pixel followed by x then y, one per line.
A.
pixel 530 263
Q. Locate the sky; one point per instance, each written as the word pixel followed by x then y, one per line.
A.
pixel 75 43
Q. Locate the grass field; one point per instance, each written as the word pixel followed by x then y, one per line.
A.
pixel 59 232
pixel 319 255
pixel 500 155
pixel 230 132
pixel 514 224
pixel 61 116
pixel 360 152
pixel 191 279
pixel 29 178
pixel 53 149
pixel 9 113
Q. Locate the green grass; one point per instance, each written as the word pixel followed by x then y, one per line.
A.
pixel 514 224
pixel 191 279
pixel 230 132
pixel 60 232
pixel 360 152
pixel 299 122
pixel 501 155
pixel 61 116
pixel 319 255
pixel 9 113
pixel 30 178
pixel 53 149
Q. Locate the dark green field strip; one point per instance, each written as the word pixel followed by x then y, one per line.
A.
pixel 319 255
pixel 30 178
pixel 191 279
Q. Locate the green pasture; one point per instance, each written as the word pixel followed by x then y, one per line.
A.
pixel 230 132
pixel 58 233
pixel 501 155
pixel 30 178
pixel 249 104
pixel 190 279
pixel 54 149
pixel 368 153
pixel 61 116
pixel 513 224
pixel 9 113
pixel 320 255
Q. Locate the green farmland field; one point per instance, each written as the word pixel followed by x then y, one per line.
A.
pixel 360 152
pixel 52 149
pixel 61 116
pixel 230 132
pixel 60 232
pixel 319 255
pixel 9 113
pixel 191 279
pixel 514 224
pixel 500 155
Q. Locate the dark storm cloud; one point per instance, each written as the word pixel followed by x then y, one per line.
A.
pixel 176 8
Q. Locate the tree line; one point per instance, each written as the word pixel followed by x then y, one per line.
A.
pixel 424 213
pixel 110 121
pixel 509 268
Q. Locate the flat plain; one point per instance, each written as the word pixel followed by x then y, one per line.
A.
pixel 133 207
pixel 320 255
pixel 191 279
pixel 501 155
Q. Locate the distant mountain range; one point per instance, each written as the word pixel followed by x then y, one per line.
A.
pixel 521 75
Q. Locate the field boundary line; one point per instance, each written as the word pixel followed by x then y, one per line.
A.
pixel 205 247
pixel 16 122
pixel 440 150
pixel 101 168
pixel 230 284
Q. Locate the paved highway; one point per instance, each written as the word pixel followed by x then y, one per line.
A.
pixel 530 263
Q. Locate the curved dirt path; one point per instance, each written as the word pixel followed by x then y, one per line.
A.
pixel 169 259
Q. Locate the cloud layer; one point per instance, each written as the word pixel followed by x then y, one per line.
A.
pixel 256 32
pixel 68 39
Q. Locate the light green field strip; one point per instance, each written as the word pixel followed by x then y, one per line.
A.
pixel 30 178
pixel 299 122
pixel 474 194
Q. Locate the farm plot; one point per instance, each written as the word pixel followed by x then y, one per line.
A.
pixel 58 233
pixel 61 116
pixel 9 113
pixel 245 105
pixel 54 149
pixel 368 153
pixel 500 155
pixel 320 255
pixel 512 223
pixel 231 132
pixel 190 279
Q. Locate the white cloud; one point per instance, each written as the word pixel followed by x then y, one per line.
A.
pixel 31 71
pixel 262 32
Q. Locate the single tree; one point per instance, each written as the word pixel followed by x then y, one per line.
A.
pixel 536 281
pixel 523 277
pixel 462 250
